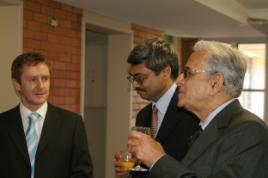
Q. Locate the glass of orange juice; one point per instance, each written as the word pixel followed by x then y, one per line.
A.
pixel 128 161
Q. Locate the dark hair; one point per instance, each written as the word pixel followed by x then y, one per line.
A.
pixel 29 58
pixel 156 54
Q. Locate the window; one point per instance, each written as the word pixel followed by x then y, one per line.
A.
pixel 253 94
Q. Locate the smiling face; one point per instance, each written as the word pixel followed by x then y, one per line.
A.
pixel 194 88
pixel 34 84
pixel 148 85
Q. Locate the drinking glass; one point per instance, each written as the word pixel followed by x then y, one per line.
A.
pixel 128 160
pixel 147 131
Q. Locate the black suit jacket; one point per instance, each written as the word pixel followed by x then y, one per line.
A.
pixel 177 126
pixel 62 151
pixel 234 145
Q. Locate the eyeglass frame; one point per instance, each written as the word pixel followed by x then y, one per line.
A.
pixel 139 78
pixel 188 72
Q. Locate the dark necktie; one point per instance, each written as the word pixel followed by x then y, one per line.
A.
pixel 196 134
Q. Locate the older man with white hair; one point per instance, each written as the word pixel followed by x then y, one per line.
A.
pixel 234 141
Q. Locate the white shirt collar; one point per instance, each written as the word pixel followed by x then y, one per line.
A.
pixel 212 115
pixel 25 112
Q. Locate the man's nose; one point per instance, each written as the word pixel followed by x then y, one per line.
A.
pixel 135 84
pixel 180 80
pixel 40 83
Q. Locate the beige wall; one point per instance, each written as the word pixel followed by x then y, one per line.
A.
pixel 118 101
pixel 10 47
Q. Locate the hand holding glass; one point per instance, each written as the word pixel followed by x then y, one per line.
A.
pixel 147 131
pixel 128 160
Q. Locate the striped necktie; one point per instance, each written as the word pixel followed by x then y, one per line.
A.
pixel 154 121
pixel 32 139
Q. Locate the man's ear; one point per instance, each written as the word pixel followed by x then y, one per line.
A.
pixel 16 85
pixel 216 83
pixel 166 72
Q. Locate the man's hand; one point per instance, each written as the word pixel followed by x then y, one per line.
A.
pixel 120 171
pixel 145 149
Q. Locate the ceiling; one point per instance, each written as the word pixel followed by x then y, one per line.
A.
pixel 187 18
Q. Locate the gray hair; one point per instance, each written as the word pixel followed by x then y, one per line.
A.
pixel 227 60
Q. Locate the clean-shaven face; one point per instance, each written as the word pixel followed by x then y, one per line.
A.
pixel 34 86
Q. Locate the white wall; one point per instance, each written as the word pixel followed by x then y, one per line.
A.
pixel 10 47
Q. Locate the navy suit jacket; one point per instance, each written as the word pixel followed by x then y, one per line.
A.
pixel 62 151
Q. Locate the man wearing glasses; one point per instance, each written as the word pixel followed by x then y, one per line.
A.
pixel 234 141
pixel 153 71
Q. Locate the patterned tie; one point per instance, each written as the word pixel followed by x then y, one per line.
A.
pixel 154 121
pixel 32 139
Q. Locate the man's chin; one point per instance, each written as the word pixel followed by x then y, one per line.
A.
pixel 181 104
pixel 142 95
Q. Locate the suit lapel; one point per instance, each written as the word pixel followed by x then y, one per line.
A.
pixel 16 132
pixel 212 133
pixel 208 136
pixel 49 130
pixel 146 117
pixel 169 122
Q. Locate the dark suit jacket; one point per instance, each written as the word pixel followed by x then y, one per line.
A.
pixel 234 145
pixel 62 151
pixel 177 126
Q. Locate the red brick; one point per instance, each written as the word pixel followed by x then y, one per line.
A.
pixel 40 36
pixel 76 59
pixel 34 44
pixel 32 25
pixel 47 28
pixel 60 65
pixel 40 18
pixel 28 15
pixel 60 14
pixel 65 24
pixel 59 100
pixel 47 10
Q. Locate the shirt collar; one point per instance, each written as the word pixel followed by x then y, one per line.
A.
pixel 212 115
pixel 25 112
pixel 163 102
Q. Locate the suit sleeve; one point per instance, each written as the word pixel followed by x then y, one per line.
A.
pixel 81 160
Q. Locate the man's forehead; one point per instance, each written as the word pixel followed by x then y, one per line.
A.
pixel 39 68
pixel 140 68
pixel 196 58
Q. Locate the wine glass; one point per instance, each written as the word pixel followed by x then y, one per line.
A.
pixel 147 131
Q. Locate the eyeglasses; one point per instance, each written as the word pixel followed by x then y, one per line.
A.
pixel 187 72
pixel 139 78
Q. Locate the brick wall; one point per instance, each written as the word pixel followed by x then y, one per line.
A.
pixel 141 33
pixel 61 44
